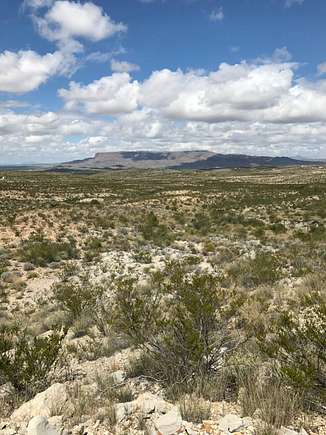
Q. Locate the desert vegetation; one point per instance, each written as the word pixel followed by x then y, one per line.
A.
pixel 147 302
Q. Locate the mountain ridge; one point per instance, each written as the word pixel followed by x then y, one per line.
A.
pixel 197 159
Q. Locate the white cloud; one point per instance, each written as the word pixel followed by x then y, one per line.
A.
pixel 123 66
pixel 289 3
pixel 233 92
pixel 217 14
pixel 260 107
pixel 26 70
pixel 65 136
pixel 110 95
pixel 69 20
pixel 242 92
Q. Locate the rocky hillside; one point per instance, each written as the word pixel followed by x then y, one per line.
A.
pixel 177 160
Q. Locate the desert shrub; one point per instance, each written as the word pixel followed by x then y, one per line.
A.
pixel 26 362
pixel 143 257
pixel 81 299
pixel 85 403
pixel 263 269
pixel 41 251
pixel 178 320
pixel 92 248
pixel 278 228
pixel 137 309
pixel 201 222
pixel 152 229
pixel 297 344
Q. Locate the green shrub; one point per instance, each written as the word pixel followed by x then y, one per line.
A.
pixel 41 251
pixel 153 230
pixel 179 321
pixel 298 346
pixel 79 298
pixel 26 362
pixel 263 269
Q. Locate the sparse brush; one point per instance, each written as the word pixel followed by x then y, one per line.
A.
pixel 194 409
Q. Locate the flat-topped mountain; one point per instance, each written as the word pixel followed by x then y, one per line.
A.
pixel 176 160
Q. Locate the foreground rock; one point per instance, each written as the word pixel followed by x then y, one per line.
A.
pixel 40 426
pixel 162 418
pixel 50 402
pixel 167 424
pixel 231 423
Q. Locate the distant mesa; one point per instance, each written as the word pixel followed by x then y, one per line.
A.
pixel 177 160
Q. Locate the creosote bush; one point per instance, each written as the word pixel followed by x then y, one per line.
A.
pixel 77 298
pixel 178 320
pixel 151 229
pixel 40 251
pixel 263 269
pixel 26 362
pixel 297 345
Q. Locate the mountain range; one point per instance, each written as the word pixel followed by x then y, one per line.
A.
pixel 177 160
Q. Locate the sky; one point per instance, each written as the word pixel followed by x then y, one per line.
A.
pixel 230 76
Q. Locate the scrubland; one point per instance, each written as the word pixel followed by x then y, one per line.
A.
pixel 161 302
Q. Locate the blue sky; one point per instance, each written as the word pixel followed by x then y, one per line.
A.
pixel 77 77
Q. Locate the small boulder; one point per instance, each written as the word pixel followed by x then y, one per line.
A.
pixel 40 426
pixel 230 423
pixel 28 267
pixel 168 424
pixel 123 410
pixel 54 265
pixel 49 402
pixel 147 403
pixel 286 431
pixel 118 376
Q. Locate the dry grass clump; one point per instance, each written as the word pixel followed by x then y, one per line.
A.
pixel 194 409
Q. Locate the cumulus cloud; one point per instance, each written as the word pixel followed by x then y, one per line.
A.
pixel 63 136
pixel 258 107
pixel 231 93
pixel 217 14
pixel 69 20
pixel 123 66
pixel 26 70
pixel 110 95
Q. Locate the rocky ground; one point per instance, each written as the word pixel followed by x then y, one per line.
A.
pixel 260 234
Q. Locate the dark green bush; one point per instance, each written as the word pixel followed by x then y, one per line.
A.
pixel 179 321
pixel 263 269
pixel 298 346
pixel 26 361
pixel 153 230
pixel 77 298
pixel 41 251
